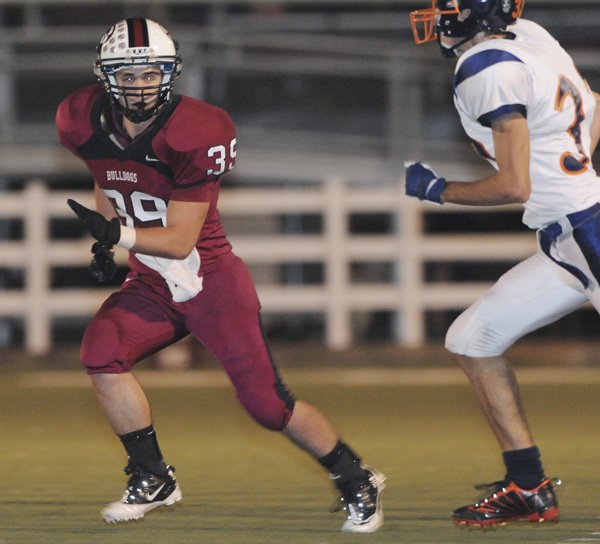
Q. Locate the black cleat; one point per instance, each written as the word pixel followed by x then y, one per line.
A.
pixel 145 492
pixel 362 504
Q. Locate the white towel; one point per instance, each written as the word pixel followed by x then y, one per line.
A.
pixel 181 275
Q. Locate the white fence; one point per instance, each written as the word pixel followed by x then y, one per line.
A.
pixel 408 246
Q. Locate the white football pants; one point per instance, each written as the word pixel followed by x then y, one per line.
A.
pixel 534 293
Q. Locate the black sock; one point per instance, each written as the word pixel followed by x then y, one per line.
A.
pixel 143 451
pixel 343 465
pixel 524 467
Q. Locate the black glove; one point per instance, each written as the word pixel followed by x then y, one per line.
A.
pixel 103 266
pixel 106 232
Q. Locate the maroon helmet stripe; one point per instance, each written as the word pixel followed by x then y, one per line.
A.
pixel 138 32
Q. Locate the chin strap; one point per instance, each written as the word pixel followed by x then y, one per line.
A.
pixel 451 52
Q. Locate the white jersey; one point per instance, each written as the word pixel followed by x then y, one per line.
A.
pixel 533 74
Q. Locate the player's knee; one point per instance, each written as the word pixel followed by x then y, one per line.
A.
pixel 266 408
pixel 475 338
pixel 100 348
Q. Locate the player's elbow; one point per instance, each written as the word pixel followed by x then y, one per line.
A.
pixel 515 189
pixel 520 194
pixel 178 242
pixel 181 250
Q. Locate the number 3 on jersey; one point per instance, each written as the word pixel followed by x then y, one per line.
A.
pixel 224 158
pixel 568 162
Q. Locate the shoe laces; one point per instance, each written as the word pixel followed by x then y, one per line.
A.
pixel 491 489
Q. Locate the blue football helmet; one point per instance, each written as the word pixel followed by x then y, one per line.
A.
pixel 463 19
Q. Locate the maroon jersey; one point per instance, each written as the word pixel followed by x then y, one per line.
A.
pixel 181 156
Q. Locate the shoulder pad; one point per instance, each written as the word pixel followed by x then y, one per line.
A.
pixel 478 60
pixel 73 114
pixel 196 124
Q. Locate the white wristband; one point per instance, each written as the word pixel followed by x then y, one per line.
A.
pixel 128 237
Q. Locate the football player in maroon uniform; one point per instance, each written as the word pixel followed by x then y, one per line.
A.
pixel 157 159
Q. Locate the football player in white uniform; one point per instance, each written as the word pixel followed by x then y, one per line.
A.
pixel 528 111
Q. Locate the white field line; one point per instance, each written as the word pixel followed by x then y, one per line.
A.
pixel 339 377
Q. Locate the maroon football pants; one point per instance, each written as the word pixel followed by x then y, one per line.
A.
pixel 142 318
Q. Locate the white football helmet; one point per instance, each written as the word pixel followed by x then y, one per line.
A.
pixel 138 43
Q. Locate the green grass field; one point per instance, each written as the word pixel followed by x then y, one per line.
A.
pixel 60 464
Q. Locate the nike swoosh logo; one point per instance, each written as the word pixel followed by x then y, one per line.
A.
pixel 153 496
pixel 149 158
